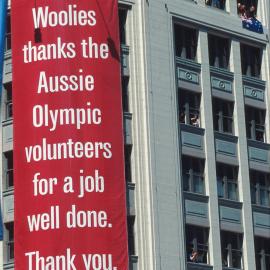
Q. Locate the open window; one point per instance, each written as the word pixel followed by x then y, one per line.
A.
pixel 219 51
pixel 227 181
pixel 125 94
pixel 8 169
pixel 186 40
pixel 122 24
pixel 247 8
pixel 9 241
pixel 193 174
pixel 255 124
pixel 197 244
pixel 8 100
pixel 260 188
pixel 251 60
pixel 231 247
pixel 128 149
pixel 8 33
pixel 262 250
pixel 131 238
pixel 189 106
pixel 223 116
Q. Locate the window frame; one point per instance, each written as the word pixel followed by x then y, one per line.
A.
pixel 219 49
pixel 190 172
pixel 9 242
pixel 251 60
pixel 226 181
pixel 255 124
pixel 229 251
pixel 195 244
pixel 8 167
pixel 223 111
pixel 189 106
pixel 186 42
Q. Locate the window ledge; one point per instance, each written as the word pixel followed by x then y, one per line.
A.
pixel 258 144
pixel 7 54
pixel 188 62
pixel 9 191
pixel 198 266
pixel 191 128
pixel 230 203
pixel 9 265
pixel 231 268
pixel 222 71
pixel 7 122
pixel 253 80
pixel 226 136
pixel 196 196
pixel 261 208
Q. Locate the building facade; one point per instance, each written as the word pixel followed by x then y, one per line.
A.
pixel 195 84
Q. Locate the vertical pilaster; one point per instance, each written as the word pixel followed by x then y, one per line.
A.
pixel 232 6
pixel 243 175
pixel 210 164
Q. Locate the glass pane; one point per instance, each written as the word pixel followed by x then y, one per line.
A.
pixel 9 112
pixel 267 262
pixel 202 251
pixel 232 190
pixel 186 181
pixel 253 194
pixel 220 187
pixel 198 184
pixel 264 195
pixel 9 178
pixel 11 250
pixel 236 259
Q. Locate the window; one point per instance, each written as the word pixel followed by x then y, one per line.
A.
pixel 223 116
pixel 193 174
pixel 197 244
pixel 262 250
pixel 260 188
pixel 227 181
pixel 125 102
pixel 249 6
pixel 189 106
pixel 128 176
pixel 255 124
pixel 8 33
pixel 8 167
pixel 131 238
pixel 186 40
pixel 231 246
pixel 219 51
pixel 122 25
pixel 216 3
pixel 251 58
pixel 8 102
pixel 9 227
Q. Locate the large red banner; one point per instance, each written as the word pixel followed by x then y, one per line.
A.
pixel 68 138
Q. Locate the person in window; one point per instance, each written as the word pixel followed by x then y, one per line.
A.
pixel 195 121
pixel 251 12
pixel 194 256
pixel 182 118
pixel 242 11
pixel 259 137
pixel 249 20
